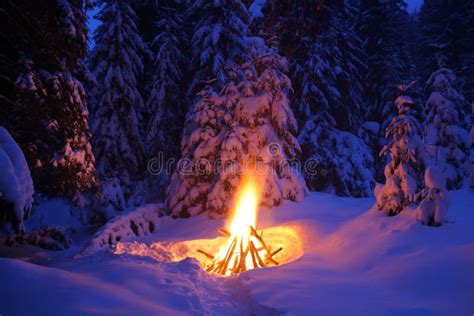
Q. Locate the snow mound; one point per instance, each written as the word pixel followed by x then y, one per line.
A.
pixel 434 178
pixel 140 222
pixel 16 185
pixel 433 208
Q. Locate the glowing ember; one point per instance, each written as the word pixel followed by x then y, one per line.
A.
pixel 245 249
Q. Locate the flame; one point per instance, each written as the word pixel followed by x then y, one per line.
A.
pixel 245 211
pixel 243 217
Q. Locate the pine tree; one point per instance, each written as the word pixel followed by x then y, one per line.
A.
pixel 45 77
pixel 445 134
pixel 115 99
pixel 342 163
pixel 322 32
pixel 319 40
pixel 384 26
pixel 166 100
pixel 291 27
pixel 335 161
pixel 350 68
pixel 446 41
pixel 326 69
pixel 218 37
pixel 335 69
pixel 250 122
pixel 385 45
pixel 404 172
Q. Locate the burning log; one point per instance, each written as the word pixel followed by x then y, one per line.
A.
pixel 255 234
pixel 241 248
pixel 277 251
pixel 229 255
pixel 246 248
pixel 224 232
pixel 252 254
pixel 206 254
pixel 255 252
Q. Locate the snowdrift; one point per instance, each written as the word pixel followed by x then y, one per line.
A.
pixel 355 260
pixel 16 185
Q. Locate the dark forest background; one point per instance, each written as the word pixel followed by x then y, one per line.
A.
pixel 90 119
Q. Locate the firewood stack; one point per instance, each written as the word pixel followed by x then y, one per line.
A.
pixel 235 259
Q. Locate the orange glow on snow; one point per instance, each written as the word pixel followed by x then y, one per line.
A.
pixel 243 215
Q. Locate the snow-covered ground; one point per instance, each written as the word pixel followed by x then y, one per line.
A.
pixel 355 261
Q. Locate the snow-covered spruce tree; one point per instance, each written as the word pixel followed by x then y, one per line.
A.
pixel 384 27
pixel 334 65
pixel 380 24
pixel 166 102
pixel 404 172
pixel 447 140
pixel 16 185
pixel 228 130
pixel 218 36
pixel 323 32
pixel 291 26
pixel 342 162
pixel 115 99
pixel 326 68
pixel 389 111
pixel 335 161
pixel 434 204
pixel 350 68
pixel 49 117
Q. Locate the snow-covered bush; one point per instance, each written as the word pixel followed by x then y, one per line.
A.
pixel 447 140
pixel 335 161
pixel 434 203
pixel 110 199
pixel 404 172
pixel 16 185
pixel 53 238
pixel 225 131
pixel 140 222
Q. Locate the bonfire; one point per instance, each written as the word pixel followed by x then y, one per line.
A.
pixel 245 248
